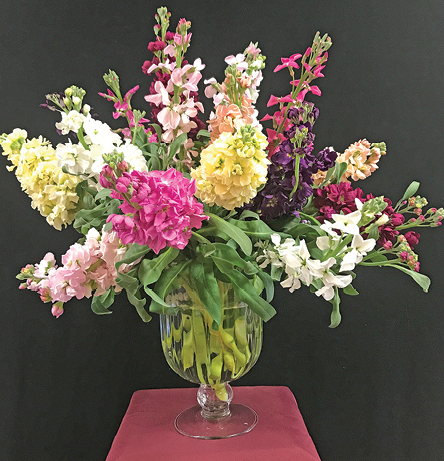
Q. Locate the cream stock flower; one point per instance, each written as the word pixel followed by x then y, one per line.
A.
pixel 232 168
pixel 51 190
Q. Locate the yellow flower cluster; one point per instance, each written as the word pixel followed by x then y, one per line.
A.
pixel 51 190
pixel 232 168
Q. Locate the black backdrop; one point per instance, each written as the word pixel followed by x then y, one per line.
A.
pixel 370 390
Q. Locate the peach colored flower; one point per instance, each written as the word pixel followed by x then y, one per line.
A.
pixel 224 122
pixel 361 158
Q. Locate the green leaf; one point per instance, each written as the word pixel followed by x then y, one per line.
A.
pixel 100 304
pixel 246 292
pixel 156 297
pixel 204 133
pixel 228 255
pixel 258 285
pixel 268 284
pixel 151 269
pixel 136 300
pixel 209 247
pixel 276 272
pixel 411 190
pixel 335 318
pixel 108 226
pixel 255 229
pixel 248 214
pixel 232 231
pixel 80 137
pixel 166 283
pixel 134 252
pixel 377 257
pixel 339 171
pixel 422 280
pixel 175 145
pixel 328 175
pixel 349 290
pixel 158 131
pixel 207 288
pixel 104 193
pixel 212 231
pixel 304 229
pixel 128 281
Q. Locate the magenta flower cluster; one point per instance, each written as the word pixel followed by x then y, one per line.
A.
pixel 158 207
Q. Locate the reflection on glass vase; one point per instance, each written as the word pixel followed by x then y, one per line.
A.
pixel 212 358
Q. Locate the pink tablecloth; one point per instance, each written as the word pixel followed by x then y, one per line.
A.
pixel 147 431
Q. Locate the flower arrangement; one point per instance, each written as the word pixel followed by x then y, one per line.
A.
pixel 170 198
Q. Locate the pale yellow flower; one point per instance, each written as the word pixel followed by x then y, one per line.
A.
pixel 11 145
pixel 232 168
pixel 51 190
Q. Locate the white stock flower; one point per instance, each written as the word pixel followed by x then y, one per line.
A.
pixel 350 260
pixel 361 245
pixel 133 156
pixel 328 242
pixel 71 121
pixel 100 133
pixel 347 223
pixel 330 280
pixel 74 157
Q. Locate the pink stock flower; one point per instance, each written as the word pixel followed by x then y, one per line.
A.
pixel 164 214
pixel 57 309
pixel 253 50
pixel 288 62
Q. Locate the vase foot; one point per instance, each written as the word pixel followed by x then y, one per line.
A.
pixel 192 424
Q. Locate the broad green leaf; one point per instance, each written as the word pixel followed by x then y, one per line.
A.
pixel 328 175
pixel 232 231
pixel 134 252
pixel 422 280
pixel 246 292
pixel 258 285
pixel 268 284
pixel 350 290
pixel 155 297
pixel 204 133
pixel 136 300
pixel 248 214
pixel 377 257
pixel 209 247
pixel 151 269
pixel 304 230
pixel 307 217
pixel 226 254
pixel 175 145
pixel 411 190
pixel 104 193
pixel 166 283
pixel 128 281
pixel 100 304
pixel 276 272
pixel 255 229
pixel 207 288
pixel 213 232
pixel 158 131
pixel 339 171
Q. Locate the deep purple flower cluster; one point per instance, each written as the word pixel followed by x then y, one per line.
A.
pixel 278 197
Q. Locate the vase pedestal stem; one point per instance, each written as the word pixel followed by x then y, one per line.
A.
pixel 214 418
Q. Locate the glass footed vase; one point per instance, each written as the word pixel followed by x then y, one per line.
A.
pixel 212 358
